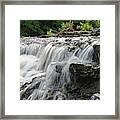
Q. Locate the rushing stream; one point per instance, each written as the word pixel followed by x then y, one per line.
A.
pixel 45 65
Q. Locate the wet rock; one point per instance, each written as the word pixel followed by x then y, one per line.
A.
pixel 96 54
pixel 85 81
pixel 95 96
pixel 73 33
pixel 71 48
pixel 59 68
pixel 27 89
pixel 59 96
pixel 95 32
pixel 68 40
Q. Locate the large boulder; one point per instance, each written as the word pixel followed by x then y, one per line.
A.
pixel 85 81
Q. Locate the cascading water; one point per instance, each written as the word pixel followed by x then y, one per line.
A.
pixel 45 64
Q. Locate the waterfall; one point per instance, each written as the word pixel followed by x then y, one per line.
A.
pixel 44 65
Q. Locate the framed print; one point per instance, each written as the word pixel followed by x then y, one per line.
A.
pixel 59 59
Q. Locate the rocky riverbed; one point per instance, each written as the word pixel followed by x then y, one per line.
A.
pixel 60 68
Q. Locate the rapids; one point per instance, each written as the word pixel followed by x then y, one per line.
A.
pixel 45 62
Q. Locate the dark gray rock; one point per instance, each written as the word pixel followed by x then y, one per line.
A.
pixel 96 54
pixel 85 81
pixel 95 32
pixel 95 96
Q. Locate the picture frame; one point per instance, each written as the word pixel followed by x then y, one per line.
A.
pixel 70 2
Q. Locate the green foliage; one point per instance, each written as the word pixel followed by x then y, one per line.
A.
pixel 50 27
pixel 85 26
pixel 38 27
pixel 97 24
pixel 50 32
pixel 67 26
pixel 31 28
